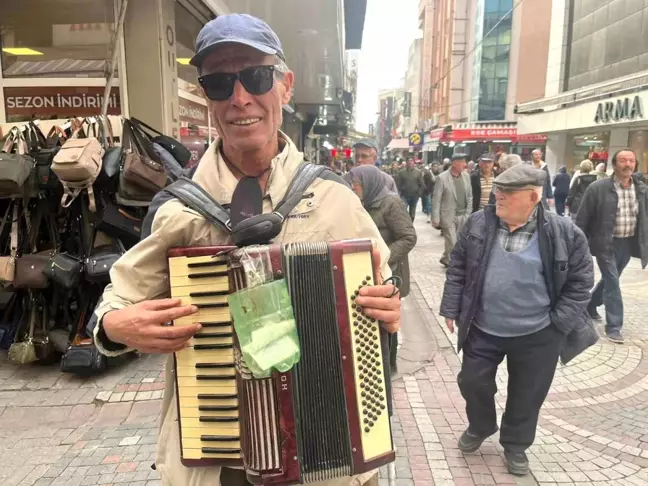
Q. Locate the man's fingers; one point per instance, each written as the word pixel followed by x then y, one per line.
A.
pixel 391 327
pixel 163 346
pixel 378 303
pixel 378 291
pixel 174 332
pixel 159 304
pixel 172 314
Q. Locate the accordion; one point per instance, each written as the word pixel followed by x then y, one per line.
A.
pixel 328 416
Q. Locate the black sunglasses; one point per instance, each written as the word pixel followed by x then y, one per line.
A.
pixel 256 80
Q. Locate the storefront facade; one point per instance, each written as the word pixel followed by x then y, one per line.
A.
pixel 592 130
pixel 52 64
pixel 474 139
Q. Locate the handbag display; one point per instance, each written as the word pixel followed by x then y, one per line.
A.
pixel 77 166
pixel 64 269
pixel 83 360
pixel 25 351
pixel 101 260
pixel 170 144
pixel 8 263
pixel 112 160
pixel 15 165
pixel 119 224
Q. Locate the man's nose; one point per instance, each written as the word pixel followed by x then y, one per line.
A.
pixel 240 96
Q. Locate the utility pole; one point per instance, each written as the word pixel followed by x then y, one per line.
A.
pixel 110 68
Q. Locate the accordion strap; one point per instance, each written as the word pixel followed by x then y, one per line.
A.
pixel 196 198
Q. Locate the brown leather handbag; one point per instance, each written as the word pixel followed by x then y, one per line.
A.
pixel 139 168
pixel 30 266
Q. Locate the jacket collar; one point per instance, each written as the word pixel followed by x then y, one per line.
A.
pixel 214 176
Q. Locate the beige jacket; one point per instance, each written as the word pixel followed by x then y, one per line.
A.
pixel 444 199
pixel 333 213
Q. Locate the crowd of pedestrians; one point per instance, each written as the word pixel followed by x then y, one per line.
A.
pixel 520 275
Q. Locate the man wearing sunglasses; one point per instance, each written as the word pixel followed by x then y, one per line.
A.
pixel 518 287
pixel 244 76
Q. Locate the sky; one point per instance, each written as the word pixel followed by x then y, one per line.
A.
pixel 390 28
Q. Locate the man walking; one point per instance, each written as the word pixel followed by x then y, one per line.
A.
pixel 614 216
pixel 451 203
pixel 366 153
pixel 538 163
pixel 426 197
pixel 410 186
pixel 482 182
pixel 517 284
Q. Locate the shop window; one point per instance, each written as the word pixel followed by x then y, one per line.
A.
pixel 65 38
pixel 592 146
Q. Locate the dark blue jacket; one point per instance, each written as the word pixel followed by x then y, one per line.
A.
pixel 567 267
pixel 561 183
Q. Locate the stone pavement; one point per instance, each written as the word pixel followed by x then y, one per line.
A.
pixel 56 429
pixel 594 425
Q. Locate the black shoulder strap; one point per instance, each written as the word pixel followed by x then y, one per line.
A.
pixel 195 197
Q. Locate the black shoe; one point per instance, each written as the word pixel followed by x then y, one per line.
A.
pixel 516 463
pixel 444 263
pixel 594 314
pixel 615 337
pixel 469 442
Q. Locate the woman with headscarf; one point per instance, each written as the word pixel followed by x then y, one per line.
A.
pixel 561 189
pixel 394 223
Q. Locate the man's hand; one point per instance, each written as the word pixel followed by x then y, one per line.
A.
pixel 377 303
pixel 450 325
pixel 141 326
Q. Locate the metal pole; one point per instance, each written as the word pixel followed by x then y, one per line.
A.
pixel 110 69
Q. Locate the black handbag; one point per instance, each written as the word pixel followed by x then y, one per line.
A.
pixel 83 360
pixel 64 269
pixel 101 260
pixel 119 224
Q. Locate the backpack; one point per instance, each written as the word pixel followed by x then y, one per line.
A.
pixel 77 165
pixel 248 231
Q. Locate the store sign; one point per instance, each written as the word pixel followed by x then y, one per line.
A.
pixel 622 109
pixel 41 102
pixel 415 139
pixel 484 134
pixel 192 112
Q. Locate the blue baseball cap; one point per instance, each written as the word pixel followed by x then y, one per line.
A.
pixel 238 29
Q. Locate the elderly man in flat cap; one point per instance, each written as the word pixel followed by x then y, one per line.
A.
pixel 366 153
pixel 518 288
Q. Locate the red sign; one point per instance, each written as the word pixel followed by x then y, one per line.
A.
pixel 484 134
pixel 63 101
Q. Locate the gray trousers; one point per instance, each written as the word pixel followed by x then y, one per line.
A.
pixel 450 235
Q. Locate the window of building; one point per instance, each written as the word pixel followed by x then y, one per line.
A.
pixel 65 38
pixel 592 146
pixel 187 28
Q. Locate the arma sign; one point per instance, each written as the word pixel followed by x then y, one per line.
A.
pixel 624 109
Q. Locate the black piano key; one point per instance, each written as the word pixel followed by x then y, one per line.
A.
pixel 199 347
pixel 216 377
pixel 218 450
pixel 214 365
pixel 208 274
pixel 215 324
pixel 209 294
pixel 206 335
pixel 219 438
pixel 217 408
pixel 214 263
pixel 217 396
pixel 211 305
pixel 207 418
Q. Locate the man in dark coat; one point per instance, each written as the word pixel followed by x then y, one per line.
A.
pixel 481 181
pixel 518 288
pixel 614 216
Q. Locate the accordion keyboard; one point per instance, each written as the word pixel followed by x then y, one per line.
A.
pixel 371 386
pixel 205 374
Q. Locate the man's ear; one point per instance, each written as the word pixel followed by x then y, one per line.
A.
pixel 288 80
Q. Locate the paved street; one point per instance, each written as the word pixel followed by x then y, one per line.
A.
pixel 55 429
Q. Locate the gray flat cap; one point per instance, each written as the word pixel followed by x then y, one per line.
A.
pixel 367 142
pixel 459 157
pixel 520 176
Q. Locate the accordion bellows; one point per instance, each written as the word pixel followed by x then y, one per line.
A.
pixel 325 418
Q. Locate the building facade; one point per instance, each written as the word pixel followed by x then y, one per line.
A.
pixel 596 94
pixel 412 86
pixel 485 56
